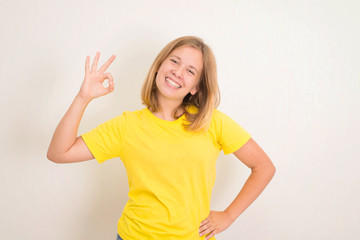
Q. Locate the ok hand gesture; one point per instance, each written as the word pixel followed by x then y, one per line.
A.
pixel 92 86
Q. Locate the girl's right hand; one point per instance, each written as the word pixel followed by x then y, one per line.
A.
pixel 92 86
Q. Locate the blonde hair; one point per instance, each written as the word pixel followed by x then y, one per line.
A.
pixel 206 99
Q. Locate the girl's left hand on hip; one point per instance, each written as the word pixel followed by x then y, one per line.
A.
pixel 216 222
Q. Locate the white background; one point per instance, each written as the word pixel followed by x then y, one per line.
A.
pixel 288 73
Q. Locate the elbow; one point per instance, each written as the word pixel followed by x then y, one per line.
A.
pixel 52 157
pixel 267 170
pixel 271 170
pixel 272 167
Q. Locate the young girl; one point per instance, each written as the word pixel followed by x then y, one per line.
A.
pixel 169 148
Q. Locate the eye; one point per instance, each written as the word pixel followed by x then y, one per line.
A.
pixel 191 72
pixel 173 60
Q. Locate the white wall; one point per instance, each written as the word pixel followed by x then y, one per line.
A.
pixel 288 73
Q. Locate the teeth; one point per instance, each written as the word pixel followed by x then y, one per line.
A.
pixel 172 83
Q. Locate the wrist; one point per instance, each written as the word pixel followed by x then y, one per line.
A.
pixel 230 215
pixel 82 98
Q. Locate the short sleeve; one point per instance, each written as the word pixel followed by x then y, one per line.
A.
pixel 106 140
pixel 229 134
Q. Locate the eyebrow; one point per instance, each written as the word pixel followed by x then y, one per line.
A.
pixel 191 66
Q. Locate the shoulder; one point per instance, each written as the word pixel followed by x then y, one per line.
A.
pixel 217 113
pixel 221 120
pixel 126 116
pixel 216 121
pixel 218 117
pixel 134 116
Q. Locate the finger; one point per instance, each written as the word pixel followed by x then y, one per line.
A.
pixel 96 60
pixel 107 64
pixel 108 76
pixel 205 221
pixel 87 66
pixel 210 235
pixel 205 229
pixel 111 87
pixel 204 226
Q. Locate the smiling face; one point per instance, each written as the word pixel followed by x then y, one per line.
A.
pixel 179 74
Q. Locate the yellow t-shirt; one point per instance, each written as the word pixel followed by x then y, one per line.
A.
pixel 171 171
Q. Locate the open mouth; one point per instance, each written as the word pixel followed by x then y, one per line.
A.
pixel 172 83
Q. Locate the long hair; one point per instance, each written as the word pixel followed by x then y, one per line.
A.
pixel 206 99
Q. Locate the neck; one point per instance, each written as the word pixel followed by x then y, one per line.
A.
pixel 166 108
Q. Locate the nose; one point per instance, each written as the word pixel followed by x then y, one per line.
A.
pixel 178 72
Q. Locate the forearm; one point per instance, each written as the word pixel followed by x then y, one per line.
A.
pixel 66 132
pixel 252 188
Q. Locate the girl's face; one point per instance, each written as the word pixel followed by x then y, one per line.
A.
pixel 179 74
